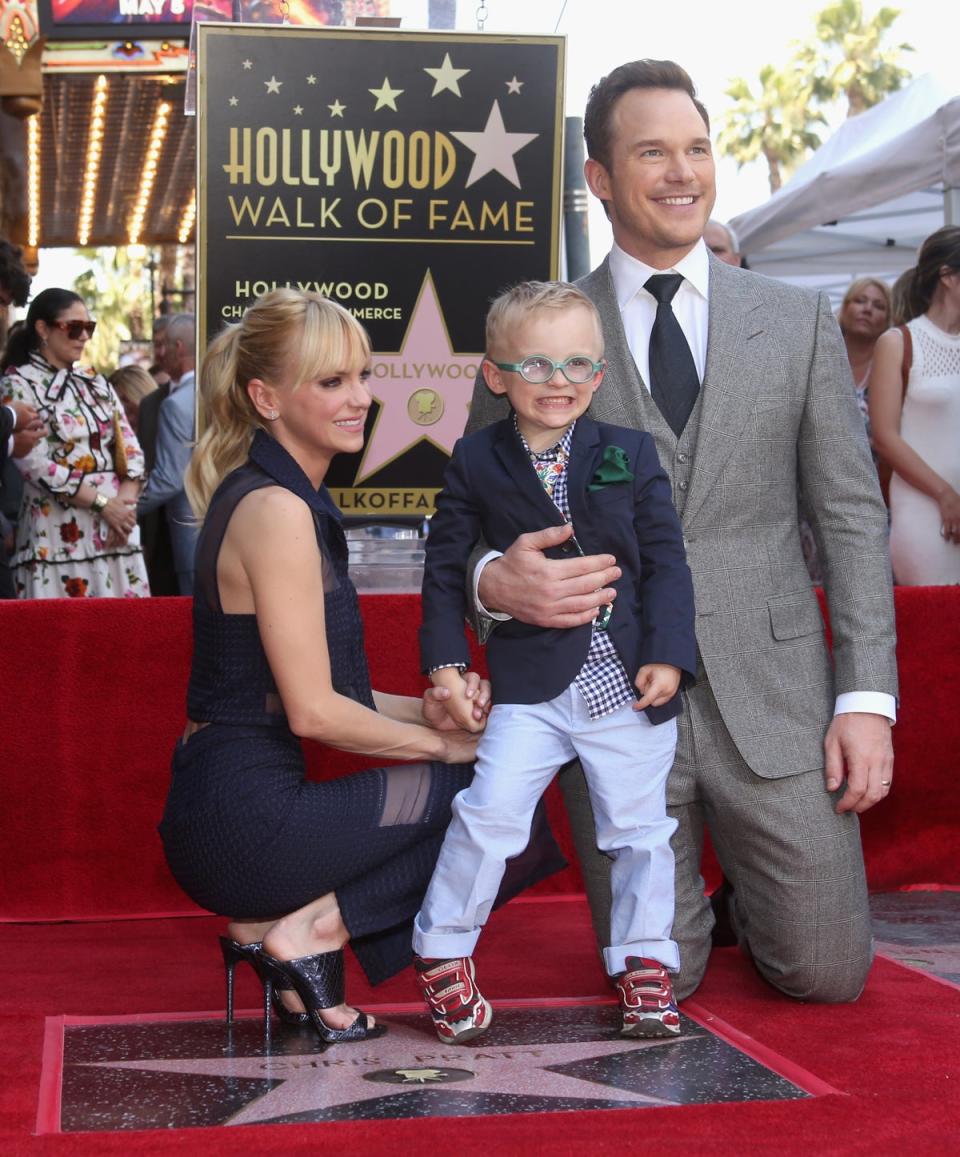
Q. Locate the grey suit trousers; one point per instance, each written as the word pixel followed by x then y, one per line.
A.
pixel 796 866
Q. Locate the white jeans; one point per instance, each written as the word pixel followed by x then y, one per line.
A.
pixel 625 760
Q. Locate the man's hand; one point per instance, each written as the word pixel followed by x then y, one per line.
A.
pixel 860 746
pixel 548 592
pixel 28 429
pixel 657 684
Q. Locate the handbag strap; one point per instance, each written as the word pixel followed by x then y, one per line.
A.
pixel 907 357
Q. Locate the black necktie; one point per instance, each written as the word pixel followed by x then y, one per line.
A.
pixel 674 383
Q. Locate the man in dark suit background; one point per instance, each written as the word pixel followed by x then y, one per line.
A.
pixel 154 532
pixel 779 746
pixel 20 430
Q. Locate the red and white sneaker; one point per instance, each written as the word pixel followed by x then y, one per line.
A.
pixel 457 1006
pixel 646 999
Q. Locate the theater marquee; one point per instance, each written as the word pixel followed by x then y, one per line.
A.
pixel 408 176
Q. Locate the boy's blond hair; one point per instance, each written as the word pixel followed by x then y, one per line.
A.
pixel 528 297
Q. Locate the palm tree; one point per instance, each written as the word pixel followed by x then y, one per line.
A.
pixel 114 292
pixel 848 58
pixel 776 124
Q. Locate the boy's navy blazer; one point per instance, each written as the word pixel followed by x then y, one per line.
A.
pixel 491 491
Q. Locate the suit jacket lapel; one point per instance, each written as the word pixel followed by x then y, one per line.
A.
pixel 729 389
pixel 584 459
pixel 623 399
pixel 509 449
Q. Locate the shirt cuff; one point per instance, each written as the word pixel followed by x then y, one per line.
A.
pixel 869 702
pixel 482 611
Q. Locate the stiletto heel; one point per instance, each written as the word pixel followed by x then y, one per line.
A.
pixel 318 981
pixel 274 985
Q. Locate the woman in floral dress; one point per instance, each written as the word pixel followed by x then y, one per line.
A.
pixel 77 536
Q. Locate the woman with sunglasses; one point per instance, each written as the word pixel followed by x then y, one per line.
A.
pixel 77 535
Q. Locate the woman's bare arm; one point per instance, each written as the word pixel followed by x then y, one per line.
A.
pixel 271 550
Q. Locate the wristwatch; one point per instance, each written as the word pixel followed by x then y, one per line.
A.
pixel 99 503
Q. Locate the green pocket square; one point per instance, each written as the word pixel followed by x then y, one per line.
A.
pixel 614 467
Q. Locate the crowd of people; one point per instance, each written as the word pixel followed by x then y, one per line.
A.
pixel 92 499
pixel 623 508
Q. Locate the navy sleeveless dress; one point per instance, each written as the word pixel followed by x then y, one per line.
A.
pixel 246 835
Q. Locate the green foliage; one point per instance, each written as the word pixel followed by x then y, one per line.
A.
pixel 777 123
pixel 846 58
pixel 116 290
pixel 849 59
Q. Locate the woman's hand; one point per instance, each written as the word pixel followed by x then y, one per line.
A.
pixel 436 700
pixel 949 503
pixel 120 517
pixel 459 747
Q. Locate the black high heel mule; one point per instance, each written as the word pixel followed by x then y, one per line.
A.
pixel 319 982
pixel 273 983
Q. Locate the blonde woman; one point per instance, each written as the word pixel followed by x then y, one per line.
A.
pixel 300 867
pixel 77 535
pixel 132 384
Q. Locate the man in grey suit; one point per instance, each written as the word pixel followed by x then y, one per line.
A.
pixel 780 747
pixel 175 435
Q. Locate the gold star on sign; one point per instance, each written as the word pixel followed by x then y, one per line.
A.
pixel 336 109
pixel 447 77
pixel 386 96
pixel 273 85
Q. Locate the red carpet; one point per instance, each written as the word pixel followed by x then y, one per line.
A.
pixel 96 689
pixel 894 1056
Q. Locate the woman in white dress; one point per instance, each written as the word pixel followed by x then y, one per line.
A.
pixel 77 536
pixel 918 430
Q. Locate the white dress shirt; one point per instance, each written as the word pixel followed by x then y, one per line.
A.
pixel 638 307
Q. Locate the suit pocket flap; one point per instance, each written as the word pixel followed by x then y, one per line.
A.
pixel 795 615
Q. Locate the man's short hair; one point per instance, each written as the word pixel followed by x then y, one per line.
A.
pixel 181 327
pixel 609 89
pixel 526 298
pixel 13 277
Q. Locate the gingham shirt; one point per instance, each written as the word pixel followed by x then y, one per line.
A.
pixel 602 680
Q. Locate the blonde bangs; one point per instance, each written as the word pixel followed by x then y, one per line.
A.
pixel 333 341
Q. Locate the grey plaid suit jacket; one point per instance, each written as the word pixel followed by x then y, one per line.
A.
pixel 777 415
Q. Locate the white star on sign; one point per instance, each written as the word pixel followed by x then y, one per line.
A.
pixel 234 102
pixel 315 1082
pixel 311 79
pixel 336 109
pixel 273 85
pixel 447 77
pixel 298 110
pixel 494 148
pixel 514 86
pixel 248 64
pixel 386 96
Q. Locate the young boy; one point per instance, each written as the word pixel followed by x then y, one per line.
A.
pixel 606 692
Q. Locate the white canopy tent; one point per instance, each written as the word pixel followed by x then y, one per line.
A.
pixel 868 196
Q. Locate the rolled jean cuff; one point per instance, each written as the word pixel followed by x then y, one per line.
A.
pixel 664 951
pixel 443 945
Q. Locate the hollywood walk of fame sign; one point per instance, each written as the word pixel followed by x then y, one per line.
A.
pixel 409 177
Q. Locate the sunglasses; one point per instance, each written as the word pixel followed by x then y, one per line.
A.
pixel 75 330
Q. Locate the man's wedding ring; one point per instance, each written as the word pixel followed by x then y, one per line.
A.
pixel 885 782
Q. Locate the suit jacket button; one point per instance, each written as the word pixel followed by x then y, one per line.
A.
pixel 683 485
pixel 681 457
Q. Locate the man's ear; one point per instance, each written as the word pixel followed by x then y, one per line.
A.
pixel 493 377
pixel 598 179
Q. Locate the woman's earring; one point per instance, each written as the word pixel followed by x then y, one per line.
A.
pixel 273 415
